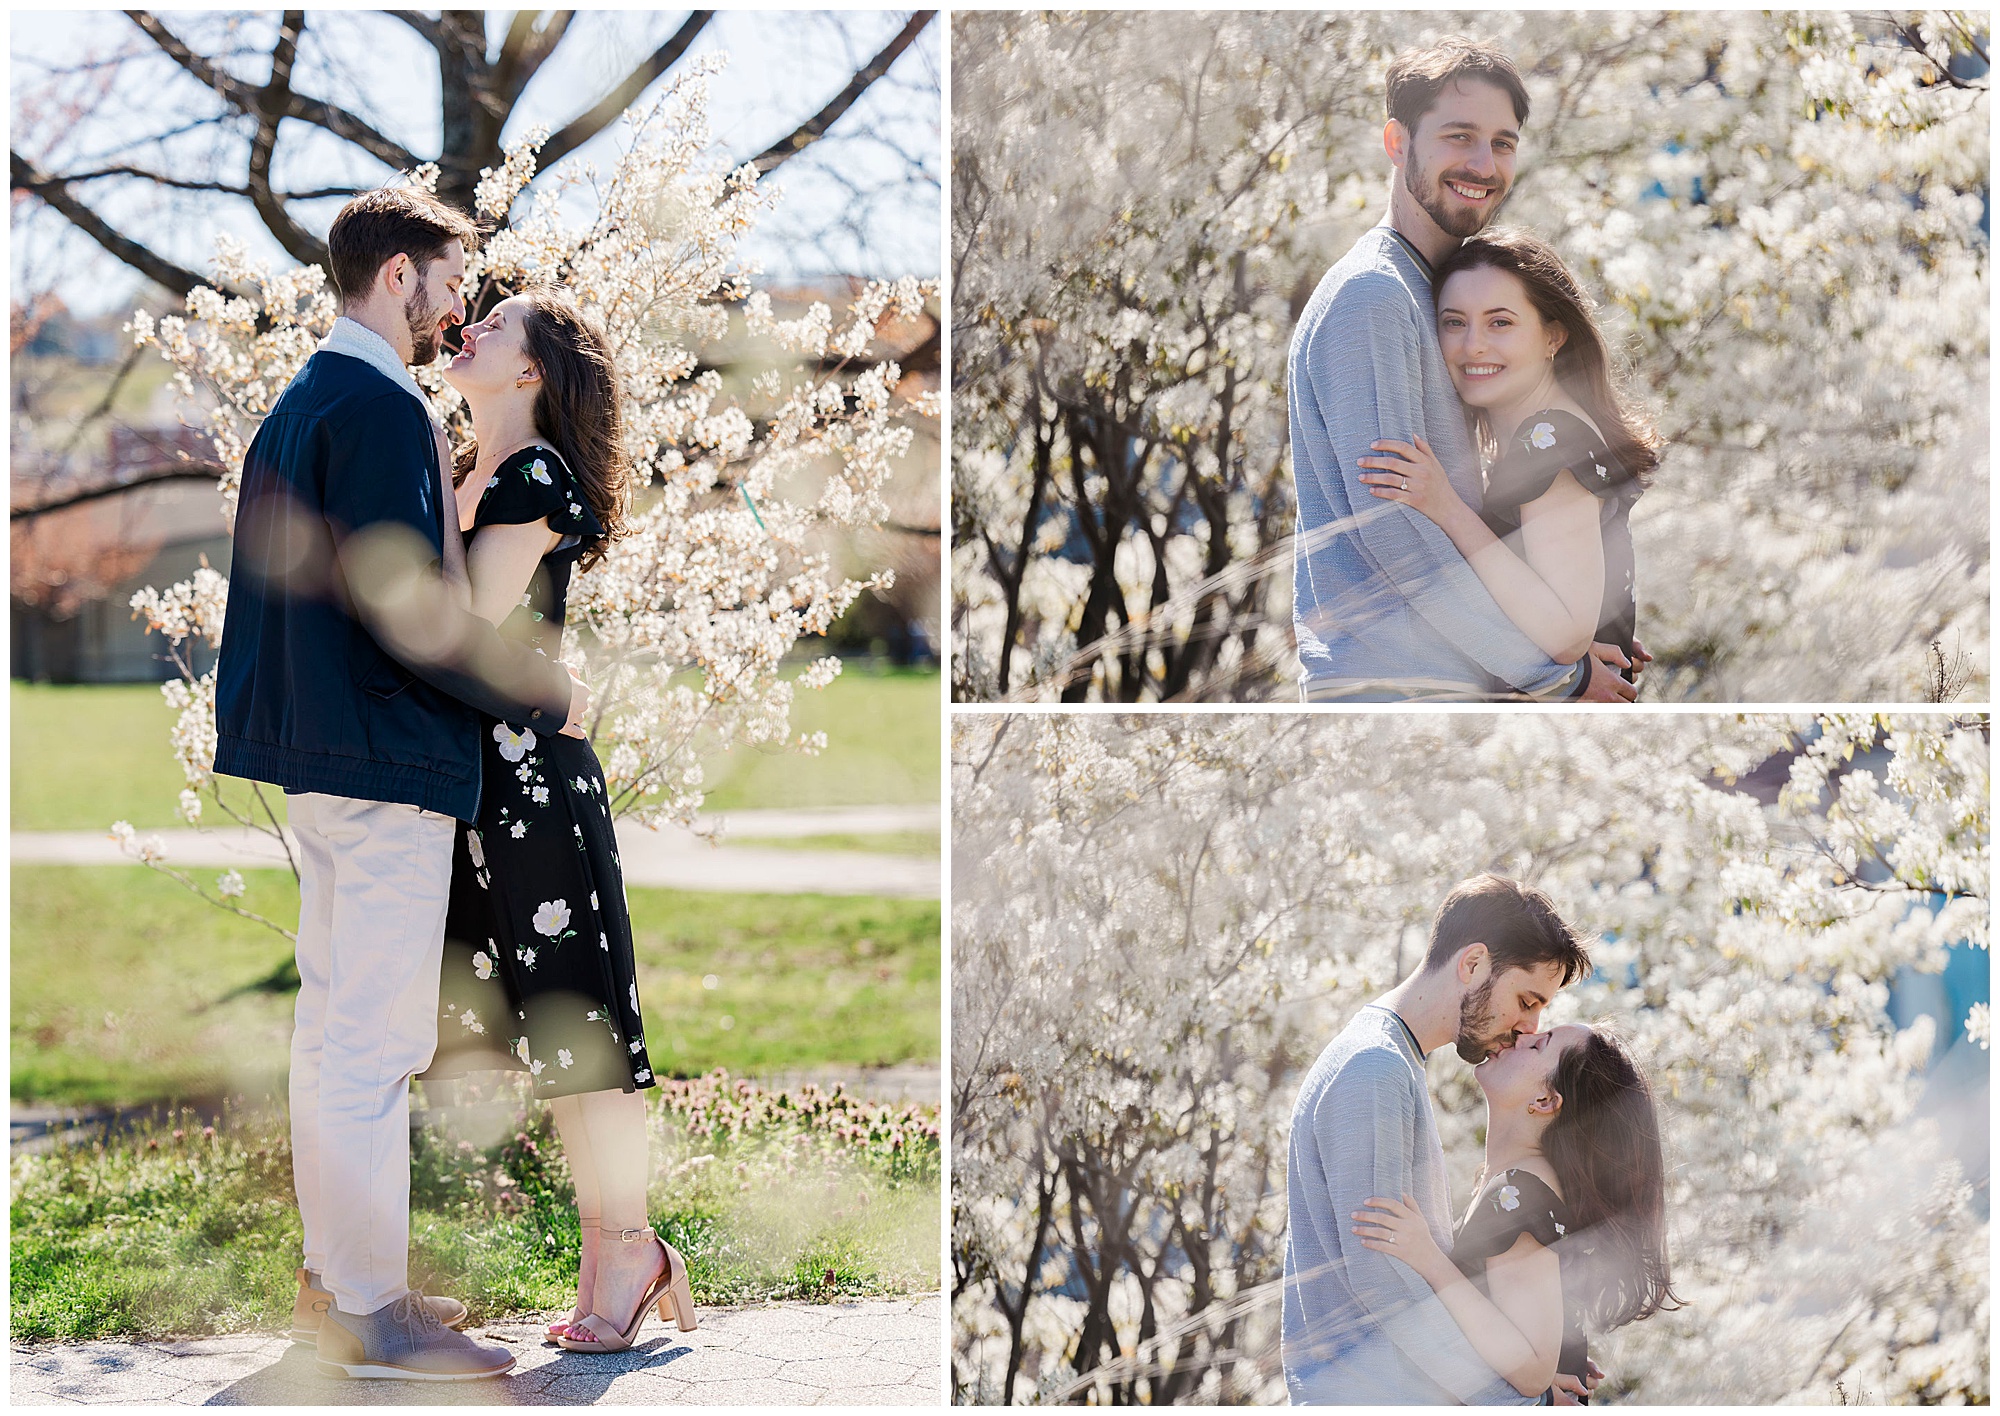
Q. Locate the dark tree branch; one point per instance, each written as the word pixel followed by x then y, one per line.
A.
pixel 814 128
pixel 26 177
pixel 183 183
pixel 272 101
pixel 243 98
pixel 527 48
pixel 172 472
pixel 578 131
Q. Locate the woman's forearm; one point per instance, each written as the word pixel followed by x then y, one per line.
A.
pixel 1493 1335
pixel 1537 609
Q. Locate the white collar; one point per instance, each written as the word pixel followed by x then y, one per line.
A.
pixel 357 341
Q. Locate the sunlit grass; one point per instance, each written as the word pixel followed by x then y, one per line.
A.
pixel 127 990
pixel 180 1229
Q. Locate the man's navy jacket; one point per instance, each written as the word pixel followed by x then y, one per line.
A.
pixel 318 687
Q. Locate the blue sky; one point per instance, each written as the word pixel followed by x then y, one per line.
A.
pixel 783 66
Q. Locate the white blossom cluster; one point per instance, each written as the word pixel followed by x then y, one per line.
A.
pixel 683 629
pixel 1157 923
pixel 1778 215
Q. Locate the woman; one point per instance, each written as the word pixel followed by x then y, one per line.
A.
pixel 1567 1234
pixel 539 965
pixel 1566 454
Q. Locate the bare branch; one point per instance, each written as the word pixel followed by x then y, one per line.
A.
pixel 272 100
pixel 814 128
pixel 243 98
pixel 26 177
pixel 578 131
pixel 527 48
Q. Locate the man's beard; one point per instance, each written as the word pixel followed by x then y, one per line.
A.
pixel 1474 1042
pixel 1460 222
pixel 422 318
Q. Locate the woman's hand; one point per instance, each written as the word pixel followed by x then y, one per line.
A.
pixel 1412 475
pixel 1400 1230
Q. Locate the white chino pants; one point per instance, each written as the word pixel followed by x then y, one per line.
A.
pixel 374 879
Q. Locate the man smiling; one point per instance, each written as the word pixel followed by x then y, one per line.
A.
pixel 1384 607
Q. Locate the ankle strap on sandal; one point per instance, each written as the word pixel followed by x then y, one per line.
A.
pixel 629 1236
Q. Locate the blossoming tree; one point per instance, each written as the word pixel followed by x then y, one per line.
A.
pixel 686 624
pixel 1158 923
pixel 1782 218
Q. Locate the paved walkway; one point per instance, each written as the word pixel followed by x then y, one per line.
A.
pixel 669 857
pixel 875 1352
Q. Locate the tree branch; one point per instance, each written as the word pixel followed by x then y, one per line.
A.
pixel 578 131
pixel 26 177
pixel 527 48
pixel 272 101
pixel 243 98
pixel 814 128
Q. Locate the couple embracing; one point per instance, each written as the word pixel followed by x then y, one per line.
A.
pixel 1457 374
pixel 391 659
pixel 1384 1303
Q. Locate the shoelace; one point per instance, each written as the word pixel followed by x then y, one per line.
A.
pixel 414 1314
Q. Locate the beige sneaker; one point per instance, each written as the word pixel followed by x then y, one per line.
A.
pixel 313 1301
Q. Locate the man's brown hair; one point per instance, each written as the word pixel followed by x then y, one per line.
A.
pixel 388 222
pixel 1517 923
pixel 1417 77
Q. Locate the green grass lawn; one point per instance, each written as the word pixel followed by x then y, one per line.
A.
pixel 179 1229
pixel 128 990
pixel 87 755
pixel 910 843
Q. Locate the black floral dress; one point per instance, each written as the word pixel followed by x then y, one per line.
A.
pixel 1514 1203
pixel 538 972
pixel 1551 442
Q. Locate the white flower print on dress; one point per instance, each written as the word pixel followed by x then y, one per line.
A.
pixel 514 746
pixel 1544 435
pixel 1510 1197
pixel 527 957
pixel 636 1046
pixel 644 1074
pixel 521 1048
pixel 524 772
pixel 540 472
pixel 482 965
pixel 575 510
pixel 520 829
pixel 632 992
pixel 603 942
pixel 535 1067
pixel 553 918
pixel 1559 1228
pixel 563 1057
pixel 593 899
pixel 469 1020
pixel 475 848
pixel 541 796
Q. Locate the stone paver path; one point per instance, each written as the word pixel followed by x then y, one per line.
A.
pixel 669 858
pixel 873 1352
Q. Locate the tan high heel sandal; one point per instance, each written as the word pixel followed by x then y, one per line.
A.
pixel 576 1313
pixel 669 1293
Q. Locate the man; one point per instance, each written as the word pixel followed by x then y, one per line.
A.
pixel 1359 1328
pixel 1384 607
pixel 351 673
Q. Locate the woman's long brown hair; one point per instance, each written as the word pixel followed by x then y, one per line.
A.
pixel 1583 364
pixel 1604 1143
pixel 579 408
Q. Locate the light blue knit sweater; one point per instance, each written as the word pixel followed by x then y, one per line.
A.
pixel 1361 1328
pixel 1384 606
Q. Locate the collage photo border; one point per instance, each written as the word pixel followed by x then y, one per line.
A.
pixel 959 713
